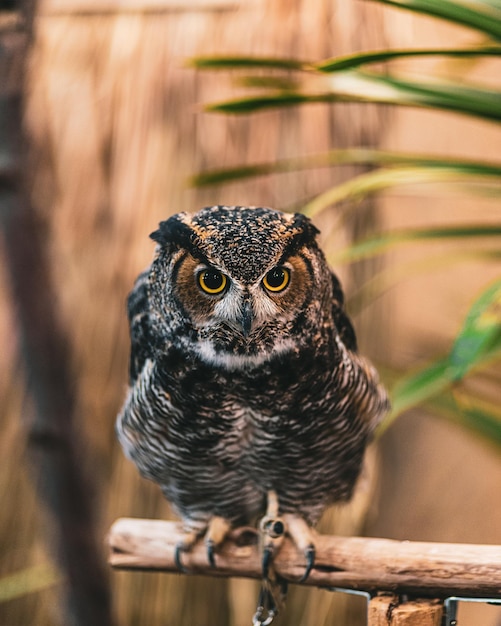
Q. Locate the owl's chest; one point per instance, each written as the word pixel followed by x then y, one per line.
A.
pixel 275 400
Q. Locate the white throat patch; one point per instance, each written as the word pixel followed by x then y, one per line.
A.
pixel 206 352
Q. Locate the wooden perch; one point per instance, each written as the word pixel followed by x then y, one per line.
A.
pixel 406 567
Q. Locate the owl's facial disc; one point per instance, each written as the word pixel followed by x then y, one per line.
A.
pixel 248 307
pixel 241 322
pixel 245 308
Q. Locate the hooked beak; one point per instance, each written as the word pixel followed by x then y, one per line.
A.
pixel 247 317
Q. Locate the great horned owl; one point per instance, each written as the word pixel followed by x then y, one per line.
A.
pixel 247 395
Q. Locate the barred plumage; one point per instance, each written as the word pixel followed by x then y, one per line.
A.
pixel 244 374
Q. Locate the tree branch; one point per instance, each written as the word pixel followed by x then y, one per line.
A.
pixel 425 569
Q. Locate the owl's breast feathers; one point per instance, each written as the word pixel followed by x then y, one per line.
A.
pixel 218 440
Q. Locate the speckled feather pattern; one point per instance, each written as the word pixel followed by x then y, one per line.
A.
pixel 216 417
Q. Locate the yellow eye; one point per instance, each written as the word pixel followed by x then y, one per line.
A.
pixel 277 279
pixel 212 282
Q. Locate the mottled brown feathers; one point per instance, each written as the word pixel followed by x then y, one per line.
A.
pixel 245 390
pixel 239 228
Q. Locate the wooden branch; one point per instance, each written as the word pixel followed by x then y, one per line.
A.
pixel 417 568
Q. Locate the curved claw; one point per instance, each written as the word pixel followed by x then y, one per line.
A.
pixel 310 562
pixel 266 561
pixel 177 558
pixel 211 552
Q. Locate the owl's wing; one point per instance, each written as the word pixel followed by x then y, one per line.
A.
pixel 138 312
pixel 341 319
pixel 367 395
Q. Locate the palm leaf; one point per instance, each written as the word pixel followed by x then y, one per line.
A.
pixel 344 79
pixel 354 156
pixel 346 62
pixel 480 417
pixel 380 180
pixel 417 387
pixel 480 334
pixel 392 275
pixel 482 16
pixel 353 61
pixel 477 345
pixel 246 62
pixel 381 243
pixel 357 86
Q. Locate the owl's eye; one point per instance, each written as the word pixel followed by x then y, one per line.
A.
pixel 277 279
pixel 212 282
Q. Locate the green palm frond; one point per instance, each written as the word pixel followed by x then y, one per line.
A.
pixel 279 83
pixel 481 15
pixel 355 156
pixel 477 345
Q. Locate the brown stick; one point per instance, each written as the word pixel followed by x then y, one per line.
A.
pixel 423 569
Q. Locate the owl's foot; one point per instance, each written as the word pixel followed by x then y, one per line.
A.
pixel 215 533
pixel 273 529
pixel 304 537
pixel 273 533
pixel 273 588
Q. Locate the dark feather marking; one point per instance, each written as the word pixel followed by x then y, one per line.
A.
pixel 172 231
pixel 306 235
pixel 138 314
pixel 341 319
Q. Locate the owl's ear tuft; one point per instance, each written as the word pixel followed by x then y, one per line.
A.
pixel 172 231
pixel 307 230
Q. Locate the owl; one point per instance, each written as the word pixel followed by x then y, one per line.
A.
pixel 247 398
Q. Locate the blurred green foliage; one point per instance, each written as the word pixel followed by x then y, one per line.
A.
pixel 352 78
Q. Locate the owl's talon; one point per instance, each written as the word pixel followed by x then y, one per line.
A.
pixel 217 531
pixel 180 548
pixel 310 562
pixel 266 561
pixel 211 552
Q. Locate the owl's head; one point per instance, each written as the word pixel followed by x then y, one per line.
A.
pixel 244 281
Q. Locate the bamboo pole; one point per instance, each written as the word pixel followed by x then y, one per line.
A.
pixel 435 570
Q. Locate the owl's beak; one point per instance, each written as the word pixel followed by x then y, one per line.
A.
pixel 247 317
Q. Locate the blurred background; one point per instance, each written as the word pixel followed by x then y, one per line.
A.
pixel 102 127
